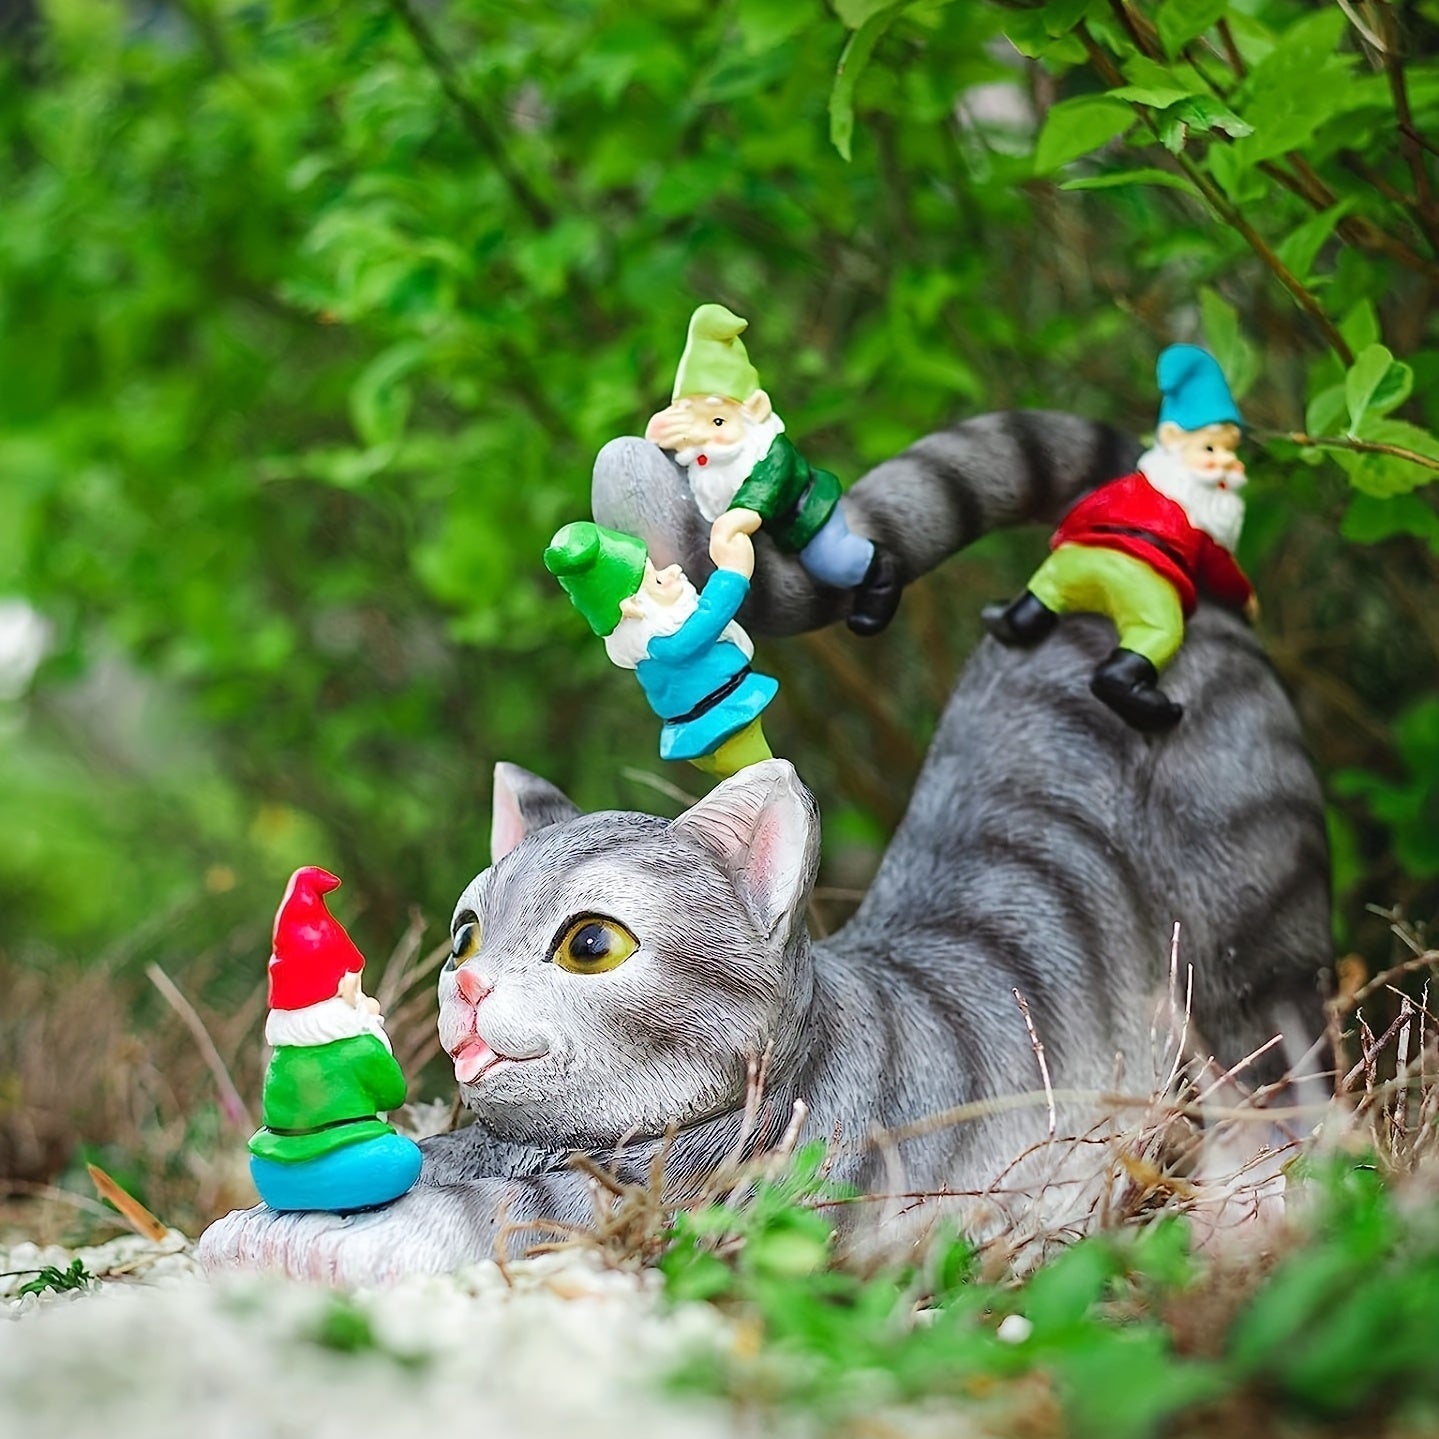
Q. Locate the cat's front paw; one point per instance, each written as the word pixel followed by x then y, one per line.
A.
pixel 420 1233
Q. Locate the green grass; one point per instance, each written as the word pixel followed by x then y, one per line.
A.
pixel 1125 1334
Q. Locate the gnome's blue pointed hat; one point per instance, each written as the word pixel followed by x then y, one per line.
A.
pixel 1194 390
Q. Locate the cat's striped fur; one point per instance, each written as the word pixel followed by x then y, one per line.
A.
pixel 1047 848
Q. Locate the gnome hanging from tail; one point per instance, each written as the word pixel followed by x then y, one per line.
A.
pixel 725 433
pixel 1141 549
pixel 324 1145
pixel 690 656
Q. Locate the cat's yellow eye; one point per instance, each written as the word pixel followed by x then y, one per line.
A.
pixel 466 942
pixel 592 945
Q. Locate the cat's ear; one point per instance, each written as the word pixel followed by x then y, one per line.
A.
pixel 763 826
pixel 523 803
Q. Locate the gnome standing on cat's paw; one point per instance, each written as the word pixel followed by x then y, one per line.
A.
pixel 724 431
pixel 692 660
pixel 1140 549
pixel 331 1076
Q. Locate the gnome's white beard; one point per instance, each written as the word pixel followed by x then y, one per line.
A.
pixel 629 642
pixel 715 483
pixel 1219 513
pixel 323 1023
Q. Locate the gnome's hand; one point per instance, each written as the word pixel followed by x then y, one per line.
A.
pixel 730 544
pixel 668 427
pixel 1251 609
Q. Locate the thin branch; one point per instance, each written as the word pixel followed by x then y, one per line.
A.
pixel 481 128
pixel 1369 36
pixel 1343 442
pixel 1411 142
pixel 1353 229
pixel 231 1105
pixel 1231 50
pixel 1037 1045
pixel 1227 212
pixel 1139 28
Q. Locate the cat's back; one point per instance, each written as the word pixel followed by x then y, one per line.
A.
pixel 1049 848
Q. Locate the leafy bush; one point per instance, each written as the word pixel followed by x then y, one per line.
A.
pixel 311 320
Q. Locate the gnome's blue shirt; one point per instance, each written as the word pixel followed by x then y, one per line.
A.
pixel 700 685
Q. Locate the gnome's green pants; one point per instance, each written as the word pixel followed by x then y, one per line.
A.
pixel 1144 606
pixel 745 747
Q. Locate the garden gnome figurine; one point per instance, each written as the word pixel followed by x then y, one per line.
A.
pixel 692 660
pixel 1139 549
pixel 724 431
pixel 324 1145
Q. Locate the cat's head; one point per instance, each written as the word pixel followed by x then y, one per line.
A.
pixel 613 972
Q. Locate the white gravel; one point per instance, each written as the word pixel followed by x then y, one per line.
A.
pixel 157 1350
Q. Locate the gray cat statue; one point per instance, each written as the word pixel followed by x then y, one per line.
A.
pixel 615 974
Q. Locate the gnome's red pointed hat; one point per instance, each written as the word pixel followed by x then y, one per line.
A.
pixel 312 952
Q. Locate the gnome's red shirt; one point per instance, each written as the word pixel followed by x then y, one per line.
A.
pixel 1131 516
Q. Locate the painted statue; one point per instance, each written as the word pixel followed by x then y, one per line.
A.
pixel 690 656
pixel 1141 548
pixel 732 445
pixel 324 1144
pixel 619 972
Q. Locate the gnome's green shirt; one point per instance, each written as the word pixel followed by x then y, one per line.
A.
pixel 321 1097
pixel 794 498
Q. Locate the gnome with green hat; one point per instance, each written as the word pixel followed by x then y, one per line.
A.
pixel 725 433
pixel 692 660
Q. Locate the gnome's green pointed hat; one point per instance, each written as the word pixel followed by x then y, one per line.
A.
pixel 597 568
pixel 714 361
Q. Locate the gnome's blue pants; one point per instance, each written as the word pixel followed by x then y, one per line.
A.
pixel 357 1176
pixel 835 556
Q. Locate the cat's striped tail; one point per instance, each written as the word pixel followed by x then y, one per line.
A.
pixel 938 496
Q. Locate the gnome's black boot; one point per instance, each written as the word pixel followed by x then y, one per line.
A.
pixel 876 596
pixel 1128 684
pixel 1023 622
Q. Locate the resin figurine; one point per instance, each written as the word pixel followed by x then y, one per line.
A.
pixel 324 1145
pixel 725 433
pixel 692 660
pixel 1141 548
pixel 626 973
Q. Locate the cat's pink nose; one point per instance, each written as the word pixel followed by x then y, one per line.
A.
pixel 470 984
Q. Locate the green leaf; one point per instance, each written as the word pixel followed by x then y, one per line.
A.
pixel 1142 176
pixel 1237 357
pixel 1179 21
pixel 1360 327
pixel 1156 85
pixel 379 398
pixel 1370 520
pixel 1326 412
pixel 853 14
pixel 1064 1291
pixel 1301 246
pixel 1383 475
pixel 1029 33
pixel 1161 1252
pixel 1202 113
pixel 765 24
pixel 1299 86
pixel 856 55
pixel 1376 383
pixel 693 1274
pixel 1120 1383
pixel 1076 127
pixel 1061 16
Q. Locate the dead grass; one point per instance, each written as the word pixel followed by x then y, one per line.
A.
pixel 167 1111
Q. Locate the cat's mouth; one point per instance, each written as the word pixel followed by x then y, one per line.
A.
pixel 475 1058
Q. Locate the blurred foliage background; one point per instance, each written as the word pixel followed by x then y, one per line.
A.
pixel 312 318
